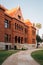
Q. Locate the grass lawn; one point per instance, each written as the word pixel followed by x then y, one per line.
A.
pixel 38 56
pixel 5 54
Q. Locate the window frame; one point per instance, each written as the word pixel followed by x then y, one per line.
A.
pixel 7 24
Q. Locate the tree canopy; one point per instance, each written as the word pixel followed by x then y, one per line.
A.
pixel 38 38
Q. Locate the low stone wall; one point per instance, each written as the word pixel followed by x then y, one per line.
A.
pixel 2 45
pixel 18 45
pixel 25 46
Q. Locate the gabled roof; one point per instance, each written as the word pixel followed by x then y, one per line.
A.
pixel 2 7
pixel 11 12
pixel 27 22
pixel 15 12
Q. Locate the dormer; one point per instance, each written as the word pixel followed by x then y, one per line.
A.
pixel 16 13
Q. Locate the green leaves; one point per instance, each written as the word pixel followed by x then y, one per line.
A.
pixel 38 38
pixel 38 25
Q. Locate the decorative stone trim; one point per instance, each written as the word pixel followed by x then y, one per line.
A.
pixel 26 46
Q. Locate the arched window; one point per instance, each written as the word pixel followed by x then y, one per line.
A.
pixel 15 25
pixel 19 16
pixel 21 39
pixel 25 40
pixel 15 39
pixel 18 39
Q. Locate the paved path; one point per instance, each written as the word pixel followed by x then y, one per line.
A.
pixel 21 58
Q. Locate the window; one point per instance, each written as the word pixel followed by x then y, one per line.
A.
pixel 21 28
pixel 18 39
pixel 7 38
pixel 18 27
pixel 25 40
pixel 19 16
pixel 33 32
pixel 15 25
pixel 26 30
pixel 7 24
pixel 33 40
pixel 15 39
pixel 21 39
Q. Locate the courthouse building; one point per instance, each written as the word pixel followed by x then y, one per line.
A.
pixel 15 32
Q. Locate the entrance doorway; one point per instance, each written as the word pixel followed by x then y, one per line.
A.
pixel 6 47
pixel 18 39
pixel 15 47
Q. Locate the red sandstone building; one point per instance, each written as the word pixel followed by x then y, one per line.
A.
pixel 14 31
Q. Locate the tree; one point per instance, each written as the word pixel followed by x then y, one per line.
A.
pixel 38 38
pixel 38 26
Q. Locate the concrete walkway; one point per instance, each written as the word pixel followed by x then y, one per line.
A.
pixel 21 58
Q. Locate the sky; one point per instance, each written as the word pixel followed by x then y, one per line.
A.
pixel 31 9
